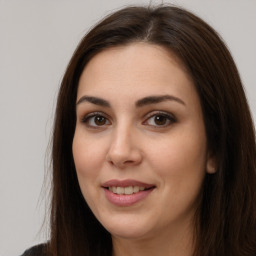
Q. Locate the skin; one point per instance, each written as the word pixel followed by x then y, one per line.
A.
pixel 128 142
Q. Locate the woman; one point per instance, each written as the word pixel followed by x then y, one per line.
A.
pixel 153 144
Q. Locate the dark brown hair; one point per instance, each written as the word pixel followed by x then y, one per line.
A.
pixel 225 223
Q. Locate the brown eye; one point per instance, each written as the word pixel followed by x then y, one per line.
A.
pixel 159 120
pixel 95 120
pixel 99 120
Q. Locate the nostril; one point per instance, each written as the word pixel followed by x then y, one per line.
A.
pixel 128 162
pixel 122 158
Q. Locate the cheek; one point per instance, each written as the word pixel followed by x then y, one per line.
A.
pixel 181 168
pixel 173 156
pixel 88 154
pixel 87 158
pixel 181 159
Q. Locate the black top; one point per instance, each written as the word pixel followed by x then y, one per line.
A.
pixel 38 250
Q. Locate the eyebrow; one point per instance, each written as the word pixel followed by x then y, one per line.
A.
pixel 94 100
pixel 157 99
pixel 139 103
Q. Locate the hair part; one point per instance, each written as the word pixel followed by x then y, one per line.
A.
pixel 225 223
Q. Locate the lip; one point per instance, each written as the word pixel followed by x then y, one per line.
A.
pixel 126 183
pixel 126 200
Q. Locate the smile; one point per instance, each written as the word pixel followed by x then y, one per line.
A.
pixel 126 190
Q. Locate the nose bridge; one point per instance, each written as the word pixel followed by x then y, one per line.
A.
pixel 124 149
pixel 122 139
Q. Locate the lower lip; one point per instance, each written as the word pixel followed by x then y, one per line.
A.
pixel 126 200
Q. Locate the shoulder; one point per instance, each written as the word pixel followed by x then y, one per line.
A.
pixel 38 250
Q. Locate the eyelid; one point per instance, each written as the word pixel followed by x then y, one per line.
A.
pixel 169 116
pixel 87 117
pixel 166 114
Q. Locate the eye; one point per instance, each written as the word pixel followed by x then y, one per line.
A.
pixel 160 119
pixel 95 120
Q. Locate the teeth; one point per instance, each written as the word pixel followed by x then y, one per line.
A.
pixel 119 190
pixel 126 190
pixel 136 189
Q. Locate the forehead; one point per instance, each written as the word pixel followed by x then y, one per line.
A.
pixel 138 67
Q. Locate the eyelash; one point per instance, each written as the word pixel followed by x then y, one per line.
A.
pixel 86 119
pixel 169 118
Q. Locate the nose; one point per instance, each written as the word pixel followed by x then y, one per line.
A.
pixel 124 148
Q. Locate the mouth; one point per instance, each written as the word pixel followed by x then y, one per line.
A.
pixel 126 192
pixel 126 187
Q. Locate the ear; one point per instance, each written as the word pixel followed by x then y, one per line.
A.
pixel 211 166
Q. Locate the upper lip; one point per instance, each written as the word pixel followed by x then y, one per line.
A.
pixel 126 183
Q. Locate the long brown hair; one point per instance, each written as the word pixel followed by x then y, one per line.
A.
pixel 225 223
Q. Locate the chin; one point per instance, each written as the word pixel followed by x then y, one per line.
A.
pixel 125 229
pixel 128 234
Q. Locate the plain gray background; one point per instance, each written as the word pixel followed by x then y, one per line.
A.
pixel 37 39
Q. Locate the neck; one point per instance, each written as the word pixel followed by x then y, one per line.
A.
pixel 174 242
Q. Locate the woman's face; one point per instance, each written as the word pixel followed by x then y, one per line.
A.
pixel 140 146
